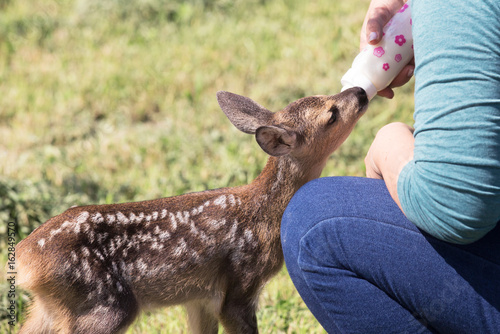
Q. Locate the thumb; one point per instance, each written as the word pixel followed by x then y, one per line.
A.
pixel 377 18
pixel 379 13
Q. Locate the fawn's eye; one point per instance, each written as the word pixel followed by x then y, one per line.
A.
pixel 333 117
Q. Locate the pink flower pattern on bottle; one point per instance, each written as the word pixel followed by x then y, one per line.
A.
pixel 400 40
pixel 386 66
pixel 403 8
pixel 398 58
pixel 379 52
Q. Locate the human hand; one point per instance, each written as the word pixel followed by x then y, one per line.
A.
pixel 379 13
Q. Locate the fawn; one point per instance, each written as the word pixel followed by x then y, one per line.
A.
pixel 93 268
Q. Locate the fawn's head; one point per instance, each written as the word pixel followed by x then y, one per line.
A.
pixel 309 129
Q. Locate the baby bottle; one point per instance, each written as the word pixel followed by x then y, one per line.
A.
pixel 376 66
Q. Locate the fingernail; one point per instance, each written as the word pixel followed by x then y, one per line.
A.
pixel 410 72
pixel 372 37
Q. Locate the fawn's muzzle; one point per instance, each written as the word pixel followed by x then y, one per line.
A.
pixel 362 97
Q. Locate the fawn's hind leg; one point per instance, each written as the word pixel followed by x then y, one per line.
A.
pixel 106 313
pixel 105 319
pixel 111 311
pixel 201 319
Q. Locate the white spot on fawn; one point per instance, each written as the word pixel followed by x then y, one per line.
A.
pixel 112 247
pixel 146 237
pixel 41 242
pixel 85 227
pixel 221 201
pixel 183 217
pixel 216 224
pixel 154 216
pixel 141 266
pixel 181 248
pixel 248 236
pixel 65 225
pixel 164 235
pixel 99 255
pixel 122 218
pixel 118 241
pixel 74 257
pixel 232 200
pixel 101 237
pixel 82 217
pixel 173 222
pixel 91 236
pixel 232 232
pixel 195 256
pixel 123 267
pixel 163 213
pixel 157 230
pixel 156 245
pixel 238 254
pixel 194 230
pixel 77 274
pixel 206 239
pixel 97 218
pixel 110 219
pixel 85 251
pixel 87 271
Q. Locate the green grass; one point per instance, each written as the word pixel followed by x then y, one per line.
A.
pixel 114 101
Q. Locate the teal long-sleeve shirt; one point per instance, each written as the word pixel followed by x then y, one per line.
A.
pixel 451 188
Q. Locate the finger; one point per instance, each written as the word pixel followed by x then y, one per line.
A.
pixel 386 92
pixel 376 20
pixel 377 16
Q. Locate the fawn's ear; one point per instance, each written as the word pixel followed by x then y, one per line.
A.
pixel 245 114
pixel 276 141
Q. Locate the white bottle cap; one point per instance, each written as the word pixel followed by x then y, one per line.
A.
pixel 354 78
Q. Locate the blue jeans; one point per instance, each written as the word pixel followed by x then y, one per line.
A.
pixel 362 267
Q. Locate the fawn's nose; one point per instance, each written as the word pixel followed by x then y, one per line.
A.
pixel 361 96
pixel 357 97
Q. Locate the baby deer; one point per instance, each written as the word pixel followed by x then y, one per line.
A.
pixel 93 268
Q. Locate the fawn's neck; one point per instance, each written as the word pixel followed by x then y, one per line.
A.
pixel 268 196
pixel 277 183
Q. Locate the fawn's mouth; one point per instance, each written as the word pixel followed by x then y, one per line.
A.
pixel 362 100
